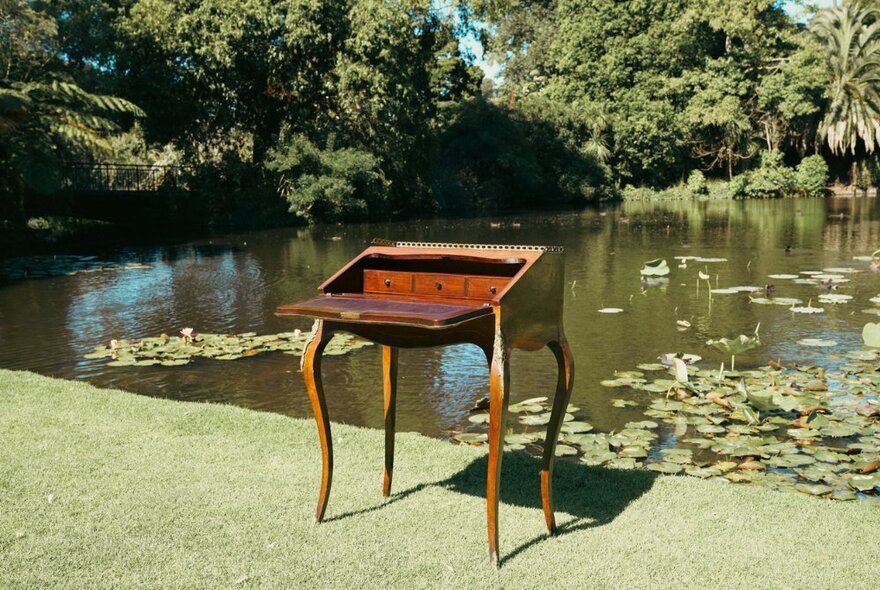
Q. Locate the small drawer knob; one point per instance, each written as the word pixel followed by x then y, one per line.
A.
pixel 493 289
pixel 439 285
pixel 387 282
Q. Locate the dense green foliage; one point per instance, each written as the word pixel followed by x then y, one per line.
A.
pixel 365 109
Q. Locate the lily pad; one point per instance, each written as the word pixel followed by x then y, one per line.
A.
pixel 471 437
pixel 665 467
pixel 871 335
pixel 610 310
pixel 816 342
pixel 782 277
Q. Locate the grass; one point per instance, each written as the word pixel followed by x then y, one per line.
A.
pixel 102 488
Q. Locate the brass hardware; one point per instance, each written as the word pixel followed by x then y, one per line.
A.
pixel 393 244
pixel 387 282
pixel 492 289
pixel 439 285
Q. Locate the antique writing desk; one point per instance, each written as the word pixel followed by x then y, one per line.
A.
pixel 402 294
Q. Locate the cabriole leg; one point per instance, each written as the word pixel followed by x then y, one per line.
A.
pixel 565 362
pixel 311 368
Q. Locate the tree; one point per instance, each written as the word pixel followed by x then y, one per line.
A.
pixel 850 34
pixel 45 116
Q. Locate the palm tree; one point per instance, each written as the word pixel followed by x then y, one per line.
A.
pixel 851 34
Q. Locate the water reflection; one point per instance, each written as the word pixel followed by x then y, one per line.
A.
pixel 232 284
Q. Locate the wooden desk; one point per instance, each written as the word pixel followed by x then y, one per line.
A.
pixel 404 294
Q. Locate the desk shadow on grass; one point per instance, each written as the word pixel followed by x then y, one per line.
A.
pixel 593 496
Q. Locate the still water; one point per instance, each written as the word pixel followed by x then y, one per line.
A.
pixel 50 316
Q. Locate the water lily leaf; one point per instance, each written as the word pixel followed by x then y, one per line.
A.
pixel 665 467
pixel 623 403
pixel 610 310
pixel 624 463
pixel 633 452
pixel 782 277
pixel 864 483
pixel 702 472
pixel 871 335
pixel 471 437
pixel 835 298
pixel 596 458
pixel 534 400
pixel 803 433
pixel 565 451
pixel 535 420
pixel 479 418
pixel 723 291
pixel 813 489
pixel 655 268
pixel 656 366
pixel 839 430
pixel 521 407
pixel 576 427
pixel 705 259
pixel 643 424
pixel 807 309
pixel 122 363
pixel 816 342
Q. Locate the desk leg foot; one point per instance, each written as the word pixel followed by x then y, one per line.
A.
pixel 565 362
pixel 311 368
pixel 389 380
pixel 499 396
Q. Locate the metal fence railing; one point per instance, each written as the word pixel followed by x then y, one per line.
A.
pixel 100 177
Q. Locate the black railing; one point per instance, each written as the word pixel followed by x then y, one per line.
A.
pixel 91 177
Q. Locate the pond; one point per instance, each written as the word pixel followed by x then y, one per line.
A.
pixel 55 310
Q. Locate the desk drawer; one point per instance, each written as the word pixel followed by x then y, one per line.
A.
pixel 439 285
pixel 387 281
pixel 485 287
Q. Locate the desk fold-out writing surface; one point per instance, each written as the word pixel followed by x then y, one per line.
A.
pixel 414 294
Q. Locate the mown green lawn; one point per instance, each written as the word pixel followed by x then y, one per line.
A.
pixel 103 488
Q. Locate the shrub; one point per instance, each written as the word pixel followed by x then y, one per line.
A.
pixel 327 184
pixel 811 176
pixel 772 179
pixel 696 183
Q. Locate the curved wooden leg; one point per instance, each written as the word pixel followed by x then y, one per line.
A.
pixel 499 395
pixel 311 368
pixel 389 381
pixel 565 362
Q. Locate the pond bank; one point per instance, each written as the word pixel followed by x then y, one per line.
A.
pixel 103 488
